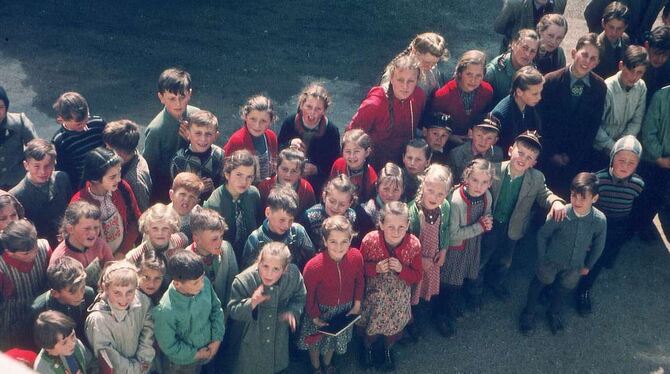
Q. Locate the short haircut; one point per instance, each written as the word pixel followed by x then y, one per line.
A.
pixel 49 325
pixel 174 80
pixel 659 38
pixel 528 144
pixel 203 219
pixel 584 183
pixel 203 118
pixel 420 144
pixel 76 211
pixel 38 149
pixel 290 155
pixel 71 106
pixel 635 56
pixel 552 19
pixel 185 266
pixel 525 77
pixel 150 260
pixel 589 39
pixel 188 181
pixel 616 11
pixel 275 249
pixel 280 198
pixel 97 162
pixel 159 213
pixel 123 135
pixel 525 34
pixel 66 273
pixel 336 223
pixel 18 236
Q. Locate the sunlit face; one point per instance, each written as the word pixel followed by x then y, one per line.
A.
pixel 404 82
pixel 336 202
pixel 631 76
pixel 73 296
pixel 84 233
pixel 110 181
pixel 471 77
pixel 208 241
pixel 523 52
pixel 337 244
pixel 394 228
pixel 312 110
pixel 270 269
pixel 477 183
pixel 581 203
pixel 65 346
pixel 288 172
pixel 278 220
pixel 239 180
pixel 434 193
pixel 202 137
pixel 415 160
pixel 159 233
pixel 27 257
pixel 190 287
pixel 389 191
pixel 482 140
pixel 522 158
pixel 624 164
pixel 39 171
pixel 427 60
pixel 657 57
pixel 120 297
pixel 3 111
pixel 585 60
pixel 552 37
pixel 8 214
pixel 355 155
pixel 150 281
pixel 73 124
pixel 436 137
pixel 614 29
pixel 183 200
pixel 175 104
pixel 531 96
pixel 257 122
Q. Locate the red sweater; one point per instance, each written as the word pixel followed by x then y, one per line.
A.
pixel 305 193
pixel 374 249
pixel 364 182
pixel 448 100
pixel 374 118
pixel 331 283
pixel 241 139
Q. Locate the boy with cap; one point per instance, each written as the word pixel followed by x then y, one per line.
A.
pixel 16 131
pixel 436 131
pixel 483 137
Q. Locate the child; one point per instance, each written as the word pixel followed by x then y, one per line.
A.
pixel 202 157
pixel 552 29
pixel 79 133
pixel 116 200
pixel 168 131
pixel 470 218
pixel 256 137
pixel 390 187
pixel 119 322
pixel 23 267
pixel 184 197
pixel 266 301
pixel 484 135
pixel 122 137
pixel 151 271
pixel 415 158
pixel 566 250
pixel 618 187
pixel 436 131
pixel 466 97
pixel 392 266
pixel 220 264
pixel 290 171
pixel 522 51
pixel 160 227
pixel 356 148
pixel 237 201
pixel 657 44
pixel 10 210
pixel 189 315
pixel 61 352
pixel 516 112
pixel 613 41
pixel 429 221
pixel 16 130
pixel 335 284
pixel 391 112
pixel 517 15
pixel 279 226
pixel 82 241
pixel 316 133
pixel 338 197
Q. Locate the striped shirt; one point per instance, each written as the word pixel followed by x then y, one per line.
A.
pixel 616 196
pixel 72 146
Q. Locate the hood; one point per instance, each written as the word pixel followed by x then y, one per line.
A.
pixel 626 143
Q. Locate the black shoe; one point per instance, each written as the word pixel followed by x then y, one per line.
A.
pixel 389 361
pixel 584 303
pixel 555 322
pixel 526 322
pixel 368 358
pixel 446 327
pixel 500 291
pixel 413 331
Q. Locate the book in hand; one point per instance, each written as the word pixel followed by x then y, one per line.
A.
pixel 339 324
pixel 105 363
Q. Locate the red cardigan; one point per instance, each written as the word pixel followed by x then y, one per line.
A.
pixel 241 139
pixel 305 192
pixel 373 249
pixel 330 283
pixel 448 100
pixel 364 183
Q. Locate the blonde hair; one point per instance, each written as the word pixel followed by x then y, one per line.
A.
pixel 275 249
pixel 400 62
pixel 358 137
pixel 259 103
pixel 391 173
pixel 118 273
pixel 203 118
pixel 434 173
pixel 336 223
pixel 429 42
pixel 471 57
pixel 395 208
pixel 315 90
pixel 343 184
pixel 479 164
pixel 159 213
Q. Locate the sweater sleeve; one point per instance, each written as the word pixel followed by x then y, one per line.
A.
pixel 145 349
pixel 370 266
pixel 168 339
pixel 239 306
pixel 359 279
pixel 651 129
pixel 635 124
pixel 296 302
pixel 457 231
pixel 216 317
pixel 412 272
pixel 227 271
pixel 101 338
pixel 597 244
pixel 152 146
pixel 544 234
pixel 364 118
pixel 311 278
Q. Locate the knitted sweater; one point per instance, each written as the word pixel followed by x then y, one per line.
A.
pixel 365 182
pixel 513 121
pixel 448 100
pixel 295 238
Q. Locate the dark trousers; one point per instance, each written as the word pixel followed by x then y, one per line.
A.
pixel 556 295
pixel 654 199
pixel 496 255
pixel 618 233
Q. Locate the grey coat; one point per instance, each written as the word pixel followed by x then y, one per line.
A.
pixel 18 132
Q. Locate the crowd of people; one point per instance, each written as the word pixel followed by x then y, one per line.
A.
pixel 189 257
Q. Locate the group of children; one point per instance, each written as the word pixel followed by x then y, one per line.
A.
pixel 192 257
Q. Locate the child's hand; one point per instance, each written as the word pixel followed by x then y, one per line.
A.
pixel 486 222
pixel 440 258
pixel 558 211
pixel 202 354
pixel 395 265
pixel 382 266
pixel 208 184
pixel 290 319
pixel 356 309
pixel 258 297
pixel 663 162
pixel 213 348
pixel 298 145
pixel 318 322
pixel 310 169
pixel 183 129
pixel 584 271
pixel 145 366
pixel 427 263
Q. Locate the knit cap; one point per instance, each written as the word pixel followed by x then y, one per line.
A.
pixel 626 143
pixel 3 97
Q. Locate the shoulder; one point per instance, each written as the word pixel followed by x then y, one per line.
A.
pixel 376 96
pixel 599 216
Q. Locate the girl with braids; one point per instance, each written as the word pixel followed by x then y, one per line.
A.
pixel 552 29
pixel 391 112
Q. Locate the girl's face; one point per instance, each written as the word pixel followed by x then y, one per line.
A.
pixel 434 194
pixel 336 202
pixel 159 234
pixel 208 241
pixel 427 60
pixel 477 183
pixel 110 181
pixel 150 281
pixel 415 160
pixel 7 214
pixel 394 227
pixel 524 51
pixel 355 155
pixel 337 244
pixel 404 82
pixel 657 57
pixel 389 191
pixel 26 257
pixel 120 297
pixel 239 180
pixel 257 122
pixel 312 110
pixel 471 77
pixel 551 38
pixel 288 172
pixel 270 269
pixel 84 233
pixel 531 96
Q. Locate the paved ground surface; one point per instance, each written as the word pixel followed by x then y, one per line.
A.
pixel 113 52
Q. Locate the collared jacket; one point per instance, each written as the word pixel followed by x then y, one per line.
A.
pixel 17 130
pixel 448 100
pixel 459 229
pixel 656 127
pixel 295 238
pixel 47 364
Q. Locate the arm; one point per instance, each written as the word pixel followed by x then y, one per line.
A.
pixel 152 146
pixel 28 130
pixel 312 281
pixel 412 272
pixel 250 251
pixel 603 139
pixel 297 301
pixel 597 244
pixel 504 19
pixel 457 232
pixel 100 336
pixel 216 317
pixel 239 306
pixel 651 129
pixel 145 350
pixel 168 338
pixel 635 124
pixel 544 234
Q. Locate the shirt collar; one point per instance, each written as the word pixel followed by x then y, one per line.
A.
pixel 586 79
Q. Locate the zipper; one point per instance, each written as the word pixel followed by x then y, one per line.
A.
pixel 339 275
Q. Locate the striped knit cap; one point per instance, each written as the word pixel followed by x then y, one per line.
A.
pixel 626 143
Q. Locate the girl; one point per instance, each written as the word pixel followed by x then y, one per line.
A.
pixel 318 137
pixel 470 218
pixel 552 29
pixel 416 159
pixel 23 266
pixel 152 276
pixel 356 148
pixel 256 137
pixel 466 97
pixel 392 265
pixel 82 241
pixel 237 201
pixel 334 282
pixel 119 321
pixel 429 221
pixel 105 189
pixel 160 227
pixel 391 112
pixel 337 199
pixel 266 301
pixel 10 209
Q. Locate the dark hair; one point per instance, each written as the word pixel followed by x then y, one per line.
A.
pixel 66 273
pixel 207 219
pixel 174 80
pixel 123 135
pixel 49 325
pixel 76 211
pixel 97 162
pixel 241 157
pixel 523 34
pixel 71 106
pixel 151 260
pixel 185 266
pixel 635 56
pixel 528 144
pixel 18 236
pixel 7 199
pixel 37 149
pixel 617 11
pixel 584 183
pixel 589 39
pixel 289 154
pixel 524 77
pixel 283 198
pixel 659 38
pixel 419 143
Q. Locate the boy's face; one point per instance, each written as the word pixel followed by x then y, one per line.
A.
pixel 415 160
pixel 120 297
pixel 84 233
pixel 159 233
pixel 581 203
pixel 183 200
pixel 436 137
pixel 150 281
pixel 524 51
pixel 624 164
pixel 278 220
pixel 531 96
pixel 521 158
pixel 7 214
pixel 74 124
pixel 39 171
pixel 585 60
pixel 270 269
pixel 482 140
pixel 26 257
pixel 202 137
pixel 257 122
pixel 336 202
pixel 208 241
pixel 190 287
pixel 64 346
pixel 355 155
pixel 390 191
pixel 394 227
pixel 614 29
pixel 288 172
pixel 175 104
pixel 239 180
pixel 631 76
pixel 72 296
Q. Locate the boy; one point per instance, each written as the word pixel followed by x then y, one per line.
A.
pixel 523 14
pixel 282 206
pixel 202 157
pixel 184 196
pixel 436 131
pixel 122 137
pixel 613 41
pixel 68 293
pixel 290 169
pixel 208 228
pixel 43 193
pixel 516 112
pixel 483 137
pixel 618 187
pixel 79 133
pixel 168 131
pixel 657 44
pixel 566 250
pixel 189 315
pixel 60 350
pixel 16 130
pixel 522 51
pixel 515 189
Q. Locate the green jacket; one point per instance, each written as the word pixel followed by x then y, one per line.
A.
pixel 415 214
pixel 221 270
pixel 499 72
pixel 655 134
pixel 47 364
